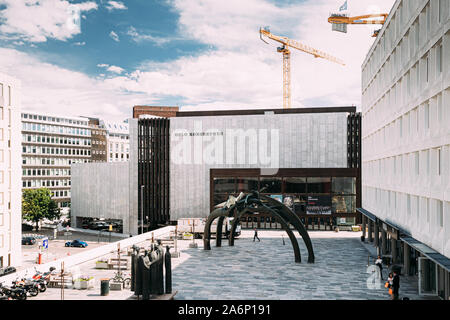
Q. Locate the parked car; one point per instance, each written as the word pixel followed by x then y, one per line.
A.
pixel 26 227
pixel 76 243
pixel 28 240
pixel 7 270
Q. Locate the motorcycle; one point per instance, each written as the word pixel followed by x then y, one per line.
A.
pixel 43 278
pixel 29 286
pixel 13 293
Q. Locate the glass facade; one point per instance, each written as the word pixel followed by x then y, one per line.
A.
pixel 318 201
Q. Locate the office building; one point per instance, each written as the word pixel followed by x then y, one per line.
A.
pixel 99 145
pixel 117 141
pixel 50 145
pixel 10 185
pixel 406 142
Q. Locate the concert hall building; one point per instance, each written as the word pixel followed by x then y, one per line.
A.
pixel 183 165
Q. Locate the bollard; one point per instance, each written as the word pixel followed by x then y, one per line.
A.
pixel 168 266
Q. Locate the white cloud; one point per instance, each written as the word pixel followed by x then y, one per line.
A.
pixel 243 71
pixel 239 72
pixel 115 5
pixel 79 43
pixel 36 21
pixel 142 37
pixel 114 36
pixel 51 89
pixel 113 69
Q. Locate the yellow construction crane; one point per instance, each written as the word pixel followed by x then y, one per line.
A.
pixel 340 21
pixel 284 49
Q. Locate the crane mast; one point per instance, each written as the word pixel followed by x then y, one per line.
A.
pixel 284 49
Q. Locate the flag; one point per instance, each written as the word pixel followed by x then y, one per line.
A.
pixel 344 6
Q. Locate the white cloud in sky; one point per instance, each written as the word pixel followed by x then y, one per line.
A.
pixel 115 5
pixel 51 89
pixel 138 37
pixel 239 71
pixel 36 21
pixel 113 69
pixel 114 36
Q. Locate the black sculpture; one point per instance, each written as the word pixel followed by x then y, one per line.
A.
pixel 147 271
pixel 254 202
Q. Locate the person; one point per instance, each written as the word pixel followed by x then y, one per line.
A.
pixel 256 236
pixel 395 285
pixel 379 263
pixel 389 283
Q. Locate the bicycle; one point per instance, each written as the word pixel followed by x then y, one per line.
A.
pixel 125 281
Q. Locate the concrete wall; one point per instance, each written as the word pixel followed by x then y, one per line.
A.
pixel 405 122
pixel 10 171
pixel 292 140
pixel 101 190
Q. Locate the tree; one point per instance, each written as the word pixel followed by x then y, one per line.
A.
pixel 37 204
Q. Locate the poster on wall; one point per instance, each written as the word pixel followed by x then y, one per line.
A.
pixel 278 197
pixel 288 201
pixel 319 205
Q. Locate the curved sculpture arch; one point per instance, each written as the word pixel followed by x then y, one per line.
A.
pixel 252 203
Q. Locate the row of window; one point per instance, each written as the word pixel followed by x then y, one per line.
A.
pixel 56 140
pixel 116 158
pixel 8 92
pixel 38 183
pixel 53 119
pixel 412 206
pixel 310 185
pixel 26 126
pixel 410 125
pixel 122 147
pixel 55 151
pixel 51 161
pixel 380 100
pixel 45 172
pixel 98 142
pixel 434 14
pixel 425 162
pixel 98 152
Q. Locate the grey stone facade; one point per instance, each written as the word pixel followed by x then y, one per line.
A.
pixel 305 141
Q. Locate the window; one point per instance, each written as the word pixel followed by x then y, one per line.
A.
pixel 271 185
pixel 439 59
pixel 295 185
pixel 440 212
pixel 416 161
pixel 439 160
pixel 427 116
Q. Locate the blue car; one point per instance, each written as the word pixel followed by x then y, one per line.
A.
pixel 76 243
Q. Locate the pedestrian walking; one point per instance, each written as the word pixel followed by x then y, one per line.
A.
pixel 379 263
pixel 256 236
pixel 395 285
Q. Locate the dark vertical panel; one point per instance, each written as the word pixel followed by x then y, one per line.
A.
pixel 154 169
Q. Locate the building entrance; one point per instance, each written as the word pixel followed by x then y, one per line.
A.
pixel 427 277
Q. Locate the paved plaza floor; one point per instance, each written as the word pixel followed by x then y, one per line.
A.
pixel 266 270
pixel 261 270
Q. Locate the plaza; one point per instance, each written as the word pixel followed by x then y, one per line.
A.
pixel 261 271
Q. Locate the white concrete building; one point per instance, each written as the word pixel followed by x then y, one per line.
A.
pixel 10 175
pixel 406 140
pixel 118 141
pixel 50 144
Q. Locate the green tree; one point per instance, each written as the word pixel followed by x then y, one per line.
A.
pixel 37 204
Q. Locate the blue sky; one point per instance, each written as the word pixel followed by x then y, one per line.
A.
pixel 101 57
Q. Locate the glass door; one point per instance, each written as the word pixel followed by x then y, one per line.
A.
pixel 427 277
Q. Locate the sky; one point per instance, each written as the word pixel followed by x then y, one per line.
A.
pixel 99 58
